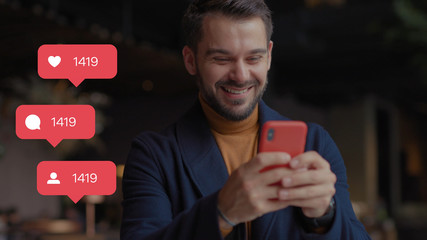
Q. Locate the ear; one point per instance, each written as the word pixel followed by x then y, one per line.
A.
pixel 189 60
pixel 270 49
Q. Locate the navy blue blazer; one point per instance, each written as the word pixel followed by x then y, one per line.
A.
pixel 171 182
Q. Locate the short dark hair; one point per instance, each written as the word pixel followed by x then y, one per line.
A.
pixel 193 18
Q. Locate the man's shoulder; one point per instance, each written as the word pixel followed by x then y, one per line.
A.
pixel 268 113
pixel 151 138
pixel 317 136
pixel 315 129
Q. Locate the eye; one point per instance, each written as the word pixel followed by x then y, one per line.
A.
pixel 254 59
pixel 221 60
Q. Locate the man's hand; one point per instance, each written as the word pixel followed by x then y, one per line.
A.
pixel 308 183
pixel 247 194
pixel 311 186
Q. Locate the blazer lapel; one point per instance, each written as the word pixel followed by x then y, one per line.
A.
pixel 267 114
pixel 200 153
pixel 261 227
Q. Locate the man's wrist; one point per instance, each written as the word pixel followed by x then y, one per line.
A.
pixel 223 217
pixel 320 224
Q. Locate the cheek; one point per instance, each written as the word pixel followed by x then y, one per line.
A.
pixel 260 73
pixel 213 73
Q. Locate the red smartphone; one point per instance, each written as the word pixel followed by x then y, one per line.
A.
pixel 282 136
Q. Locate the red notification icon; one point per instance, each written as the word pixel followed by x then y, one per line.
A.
pixel 55 122
pixel 77 62
pixel 76 178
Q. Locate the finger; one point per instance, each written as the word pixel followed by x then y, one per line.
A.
pixel 274 205
pixel 261 189
pixel 265 159
pixel 274 175
pixel 307 192
pixel 308 177
pixel 270 192
pixel 310 160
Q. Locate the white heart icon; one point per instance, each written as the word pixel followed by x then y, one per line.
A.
pixel 54 61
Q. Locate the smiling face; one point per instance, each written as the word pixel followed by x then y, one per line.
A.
pixel 231 64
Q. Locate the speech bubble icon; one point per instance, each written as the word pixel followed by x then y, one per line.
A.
pixel 77 62
pixel 55 122
pixel 32 122
pixel 76 178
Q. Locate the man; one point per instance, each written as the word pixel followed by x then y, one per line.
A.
pixel 201 179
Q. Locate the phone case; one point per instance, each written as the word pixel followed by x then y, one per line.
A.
pixel 283 136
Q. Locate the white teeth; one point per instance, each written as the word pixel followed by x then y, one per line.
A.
pixel 235 91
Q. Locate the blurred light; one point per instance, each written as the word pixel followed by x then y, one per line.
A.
pixel 98 98
pixel 94 199
pixel 58 226
pixel 389 224
pixel 117 37
pixel 130 41
pixel 15 5
pixel 95 28
pixel 62 226
pixel 146 45
pixel 104 34
pixel 38 9
pixel 119 170
pixel 360 209
pixel 148 85
pixel 62 20
pixel 99 128
pixel 81 22
pixel 51 14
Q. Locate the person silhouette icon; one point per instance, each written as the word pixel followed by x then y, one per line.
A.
pixel 53 179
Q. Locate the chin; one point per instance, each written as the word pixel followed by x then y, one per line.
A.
pixel 236 113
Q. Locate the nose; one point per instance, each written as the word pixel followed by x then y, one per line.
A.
pixel 240 71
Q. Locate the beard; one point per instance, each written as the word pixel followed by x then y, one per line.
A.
pixel 225 111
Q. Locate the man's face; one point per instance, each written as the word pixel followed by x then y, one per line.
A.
pixel 231 64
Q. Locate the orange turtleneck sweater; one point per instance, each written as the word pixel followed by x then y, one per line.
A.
pixel 237 141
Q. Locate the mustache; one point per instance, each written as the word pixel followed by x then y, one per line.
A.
pixel 231 83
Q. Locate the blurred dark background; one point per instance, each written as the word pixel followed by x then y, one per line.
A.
pixel 359 68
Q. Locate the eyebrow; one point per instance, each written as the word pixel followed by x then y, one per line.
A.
pixel 212 51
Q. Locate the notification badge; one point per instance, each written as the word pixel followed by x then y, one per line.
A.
pixel 77 62
pixel 55 122
pixel 76 178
